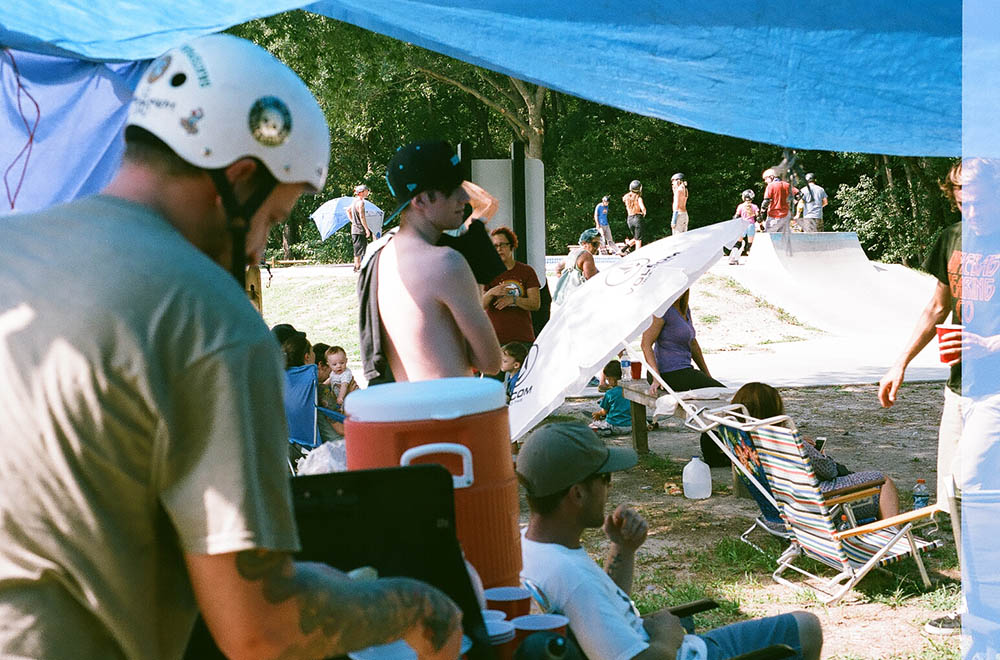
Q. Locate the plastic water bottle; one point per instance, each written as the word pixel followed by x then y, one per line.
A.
pixel 843 525
pixel 921 496
pixel 626 367
pixel 697 480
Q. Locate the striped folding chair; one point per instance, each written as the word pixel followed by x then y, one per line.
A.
pixel 751 473
pixel 810 515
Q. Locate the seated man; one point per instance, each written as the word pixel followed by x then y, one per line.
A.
pixel 566 470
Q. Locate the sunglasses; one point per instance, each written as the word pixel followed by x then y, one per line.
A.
pixel 605 477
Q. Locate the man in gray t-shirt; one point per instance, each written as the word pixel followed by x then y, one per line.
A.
pixel 813 200
pixel 142 426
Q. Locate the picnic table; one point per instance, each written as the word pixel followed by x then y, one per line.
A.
pixel 637 393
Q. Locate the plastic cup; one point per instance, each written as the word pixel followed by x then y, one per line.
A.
pixel 513 601
pixel 636 368
pixel 494 615
pixel 502 638
pixel 951 354
pixel 532 623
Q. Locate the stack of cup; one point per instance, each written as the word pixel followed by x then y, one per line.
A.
pixel 512 601
pixel 502 638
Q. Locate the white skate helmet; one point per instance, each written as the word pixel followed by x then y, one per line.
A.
pixel 220 98
pixel 748 195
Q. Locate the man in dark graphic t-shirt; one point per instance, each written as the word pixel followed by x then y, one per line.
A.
pixel 967 267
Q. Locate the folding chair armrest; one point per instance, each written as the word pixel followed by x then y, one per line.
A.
pixel 901 519
pixel 773 652
pixel 851 493
pixel 692 608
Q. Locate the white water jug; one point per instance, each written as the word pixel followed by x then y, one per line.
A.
pixel 697 480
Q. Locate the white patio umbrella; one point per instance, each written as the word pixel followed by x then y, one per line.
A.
pixel 615 305
pixel 332 215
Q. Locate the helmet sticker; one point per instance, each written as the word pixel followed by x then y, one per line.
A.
pixel 190 124
pixel 270 121
pixel 143 104
pixel 158 68
pixel 199 66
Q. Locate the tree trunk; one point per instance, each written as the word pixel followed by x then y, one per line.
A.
pixel 914 211
pixel 289 236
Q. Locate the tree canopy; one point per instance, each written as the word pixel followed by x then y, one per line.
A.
pixel 379 93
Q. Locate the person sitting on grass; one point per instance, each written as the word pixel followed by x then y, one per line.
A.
pixel 763 401
pixel 512 356
pixel 566 471
pixel 614 417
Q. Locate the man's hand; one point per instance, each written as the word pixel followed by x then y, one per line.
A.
pixel 971 345
pixel 597 414
pixel 889 385
pixel 626 528
pixel 665 633
pixel 654 388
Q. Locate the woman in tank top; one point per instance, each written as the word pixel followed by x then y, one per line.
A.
pixel 669 344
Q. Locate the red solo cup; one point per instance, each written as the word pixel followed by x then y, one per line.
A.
pixel 636 370
pixel 950 354
pixel 532 623
pixel 502 638
pixel 513 601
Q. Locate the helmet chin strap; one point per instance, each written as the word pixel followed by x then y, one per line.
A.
pixel 238 215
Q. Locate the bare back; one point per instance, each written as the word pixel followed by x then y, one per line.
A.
pixel 633 204
pixel 680 198
pixel 431 313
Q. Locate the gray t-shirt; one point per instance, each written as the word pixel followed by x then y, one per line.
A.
pixel 141 418
pixel 812 201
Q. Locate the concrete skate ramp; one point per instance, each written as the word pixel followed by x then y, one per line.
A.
pixel 825 280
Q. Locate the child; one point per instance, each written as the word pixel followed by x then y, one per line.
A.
pixel 341 379
pixel 748 211
pixel 614 417
pixel 512 356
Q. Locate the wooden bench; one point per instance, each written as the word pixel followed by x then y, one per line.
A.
pixel 637 392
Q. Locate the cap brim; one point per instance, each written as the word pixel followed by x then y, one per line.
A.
pixel 387 223
pixel 619 458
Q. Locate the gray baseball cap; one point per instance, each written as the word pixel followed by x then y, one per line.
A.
pixel 556 456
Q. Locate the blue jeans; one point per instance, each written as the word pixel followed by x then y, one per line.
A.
pixel 746 636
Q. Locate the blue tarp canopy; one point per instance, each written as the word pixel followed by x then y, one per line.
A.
pixel 855 75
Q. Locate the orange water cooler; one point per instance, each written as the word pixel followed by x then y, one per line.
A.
pixel 462 424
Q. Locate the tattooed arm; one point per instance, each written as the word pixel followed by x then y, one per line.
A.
pixel 626 530
pixel 261 604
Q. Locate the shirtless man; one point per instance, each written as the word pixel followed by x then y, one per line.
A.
pixel 636 210
pixel 429 321
pixel 679 220
pixel 360 232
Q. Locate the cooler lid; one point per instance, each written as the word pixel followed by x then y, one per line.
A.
pixel 445 398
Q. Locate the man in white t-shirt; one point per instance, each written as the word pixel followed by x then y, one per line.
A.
pixel 566 471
